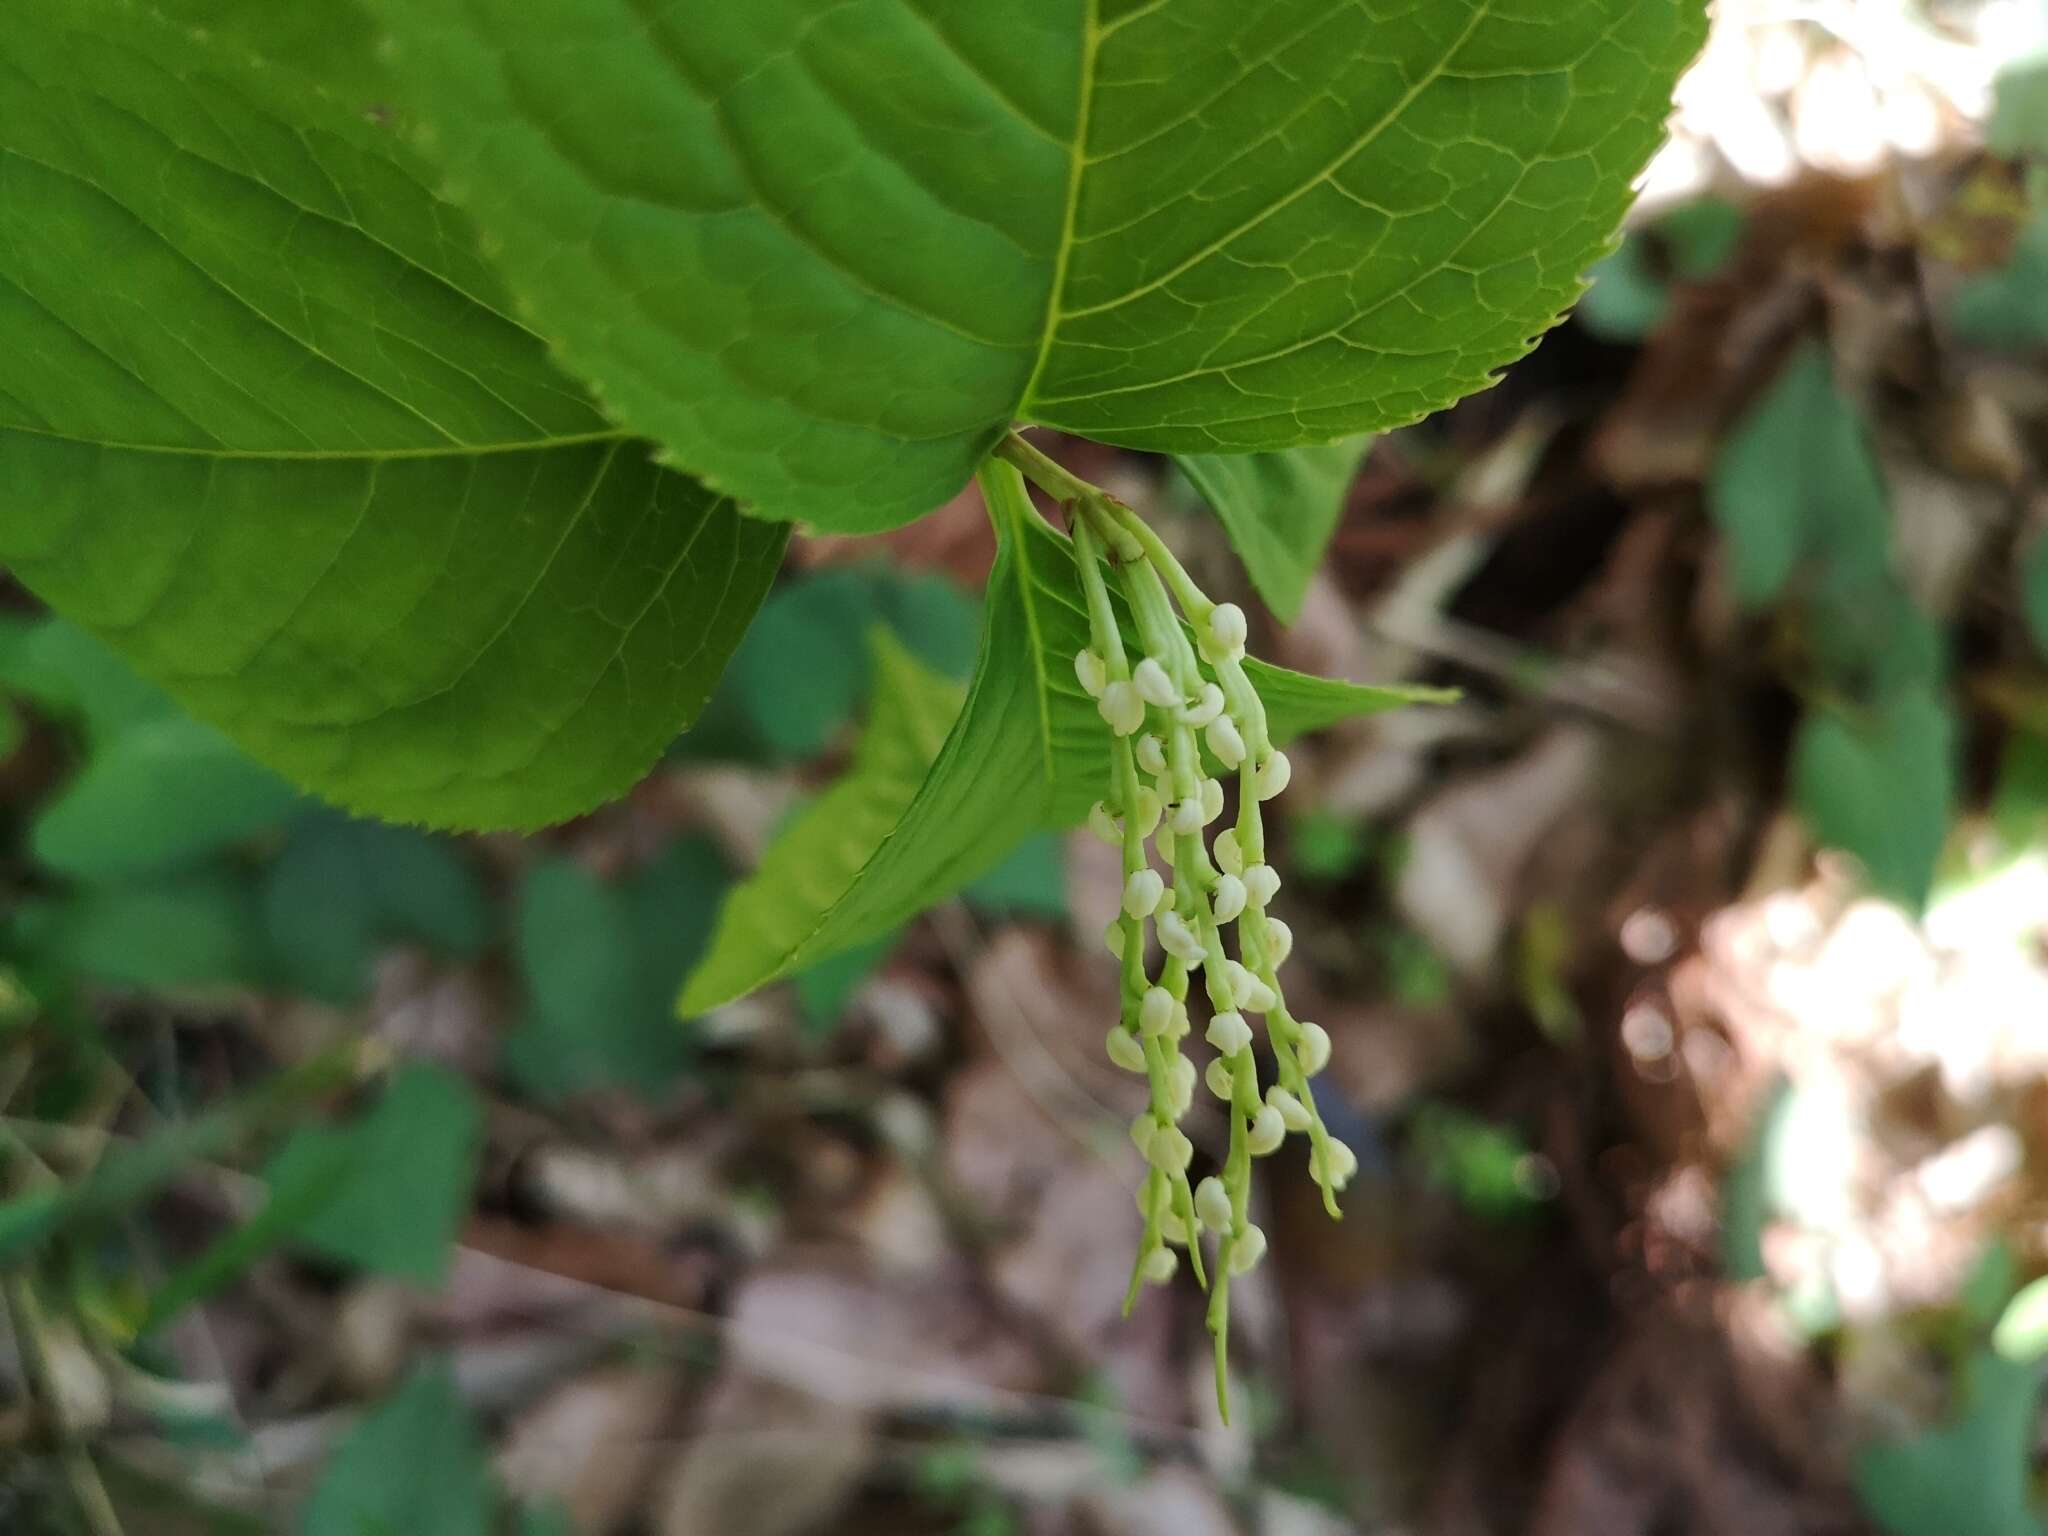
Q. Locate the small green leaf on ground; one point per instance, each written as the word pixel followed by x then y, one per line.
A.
pixel 1880 785
pixel 199 929
pixel 1030 882
pixel 414 1465
pixel 2008 309
pixel 1973 1474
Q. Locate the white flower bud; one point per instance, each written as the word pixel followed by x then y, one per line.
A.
pixel 1229 1033
pixel 1091 673
pixel 1293 1113
pixel 1124 1049
pixel 1313 1052
pixel 1230 898
pixel 1279 941
pixel 1218 1077
pixel 1228 858
pixel 1204 709
pixel 1152 755
pixel 1212 800
pixel 1186 819
pixel 1173 1230
pixel 1179 939
pixel 1123 707
pixel 1225 741
pixel 1143 1131
pixel 1162 839
pixel 1246 1252
pixel 1212 1205
pixel 1154 685
pixel 1249 992
pixel 1334 1167
pixel 1261 884
pixel 1178 1029
pixel 1155 1012
pixel 1104 825
pixel 1180 1083
pixel 1113 938
pixel 1170 1151
pixel 1274 773
pixel 1267 1132
pixel 1159 1266
pixel 1227 628
pixel 1143 892
pixel 1148 810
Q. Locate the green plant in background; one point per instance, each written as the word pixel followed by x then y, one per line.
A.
pixel 468 365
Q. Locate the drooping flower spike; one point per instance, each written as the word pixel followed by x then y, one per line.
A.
pixel 1183 705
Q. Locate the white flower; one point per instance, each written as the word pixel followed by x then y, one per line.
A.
pixel 1230 898
pixel 1155 1012
pixel 1228 858
pixel 1228 629
pixel 1123 707
pixel 1334 1170
pixel 1090 672
pixel 1186 820
pixel 1212 1205
pixel 1274 773
pixel 1246 1252
pixel 1170 1150
pixel 1124 1049
pixel 1204 709
pixel 1313 1051
pixel 1279 941
pixel 1225 741
pixel 1154 685
pixel 1152 755
pixel 1148 810
pixel 1162 839
pixel 1248 991
pixel 1180 1084
pixel 1229 1033
pixel 1172 1229
pixel 1261 884
pixel 1159 1266
pixel 1144 1129
pixel 1219 1079
pixel 1267 1132
pixel 1179 939
pixel 1104 825
pixel 1143 892
pixel 1293 1113
pixel 1113 939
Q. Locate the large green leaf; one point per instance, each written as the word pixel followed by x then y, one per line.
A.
pixel 828 250
pixel 1279 509
pixel 1027 753
pixel 301 462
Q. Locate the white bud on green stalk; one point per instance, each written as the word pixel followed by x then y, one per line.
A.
pixel 1152 755
pixel 1246 1252
pixel 1159 1266
pixel 1267 1132
pixel 1229 898
pixel 1229 1033
pixel 1250 993
pixel 1274 773
pixel 1104 825
pixel 1179 1027
pixel 1218 1077
pixel 1113 939
pixel 1293 1113
pixel 1332 1164
pixel 1261 884
pixel 1154 686
pixel 1205 708
pixel 1155 1012
pixel 1212 1205
pixel 1143 892
pixel 1162 839
pixel 1212 800
pixel 1091 673
pixel 1170 1151
pixel 1228 629
pixel 1144 1128
pixel 1225 741
pixel 1313 1049
pixel 1123 707
pixel 1173 1230
pixel 1228 858
pixel 1279 941
pixel 1148 810
pixel 1180 1085
pixel 1186 819
pixel 1124 1049
pixel 1179 939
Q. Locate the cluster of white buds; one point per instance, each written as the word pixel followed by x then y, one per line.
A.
pixel 1183 716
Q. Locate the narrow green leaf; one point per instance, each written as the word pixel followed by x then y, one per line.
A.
pixel 308 469
pixel 1881 785
pixel 879 232
pixel 412 1466
pixel 1279 510
pixel 2007 310
pixel 1973 1474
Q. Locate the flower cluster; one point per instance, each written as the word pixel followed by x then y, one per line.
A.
pixel 1185 717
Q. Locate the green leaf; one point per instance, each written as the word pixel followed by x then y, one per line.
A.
pixel 194 930
pixel 920 820
pixel 156 795
pixel 1031 881
pixel 877 233
pixel 2007 310
pixel 2034 591
pixel 1279 509
pixel 2019 114
pixel 66 672
pixel 341 888
pixel 1796 481
pixel 308 469
pixel 1881 785
pixel 1972 1475
pixel 396 1182
pixel 413 1465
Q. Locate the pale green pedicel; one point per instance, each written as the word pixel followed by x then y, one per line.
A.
pixel 270 426
pixel 826 251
